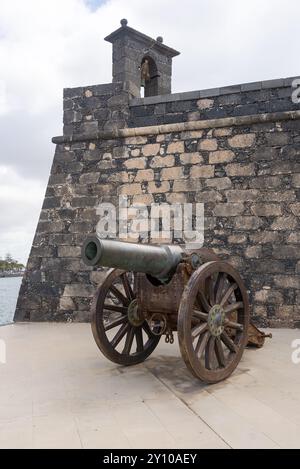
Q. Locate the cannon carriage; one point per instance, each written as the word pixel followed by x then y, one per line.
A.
pixel 155 290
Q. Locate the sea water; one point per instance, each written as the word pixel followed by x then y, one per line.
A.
pixel 9 290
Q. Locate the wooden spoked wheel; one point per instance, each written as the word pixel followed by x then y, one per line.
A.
pixel 213 321
pixel 119 329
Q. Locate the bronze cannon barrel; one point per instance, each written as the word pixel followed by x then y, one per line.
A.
pixel 157 261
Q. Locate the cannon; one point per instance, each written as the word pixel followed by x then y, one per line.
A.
pixel 154 290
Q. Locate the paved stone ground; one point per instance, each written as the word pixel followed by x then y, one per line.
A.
pixel 57 391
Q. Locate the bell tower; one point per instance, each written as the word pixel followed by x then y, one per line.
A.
pixel 140 61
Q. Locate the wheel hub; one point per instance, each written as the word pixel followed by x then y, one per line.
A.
pixel 216 320
pixel 134 315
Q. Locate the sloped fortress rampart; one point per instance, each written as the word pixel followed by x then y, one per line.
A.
pixel 236 149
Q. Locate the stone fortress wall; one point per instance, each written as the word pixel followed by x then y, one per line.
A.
pixel 236 149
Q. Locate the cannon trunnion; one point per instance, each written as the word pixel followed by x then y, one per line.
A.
pixel 153 291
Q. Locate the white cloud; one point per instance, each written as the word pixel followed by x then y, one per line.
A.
pixel 20 203
pixel 46 45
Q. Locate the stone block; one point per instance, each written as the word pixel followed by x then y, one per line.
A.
pixel 294 238
pixel 130 189
pixel 89 178
pixel 237 239
pixel 286 252
pixel 266 210
pixel 210 92
pixel 219 183
pixel 238 169
pixel 162 187
pixel 277 138
pixel 248 223
pixel 176 198
pixel 162 161
pixel 66 303
pixel 222 132
pixel 146 199
pixel 172 173
pixel 277 196
pixel 151 149
pixel 187 185
pixel 265 182
pixel 144 175
pixel 253 252
pixel 268 296
pixel 98 276
pixel 191 134
pixel 265 237
pixel 208 196
pixel 135 163
pixel 78 290
pixel 208 144
pixel 228 210
pixel 287 281
pixel 245 195
pixel 296 180
pixel 139 140
pixel 204 171
pixel 176 147
pixel 120 152
pixel 265 154
pixel 242 140
pixel 205 103
pixel 120 177
pixel 193 116
pixel 286 311
pixel 136 152
pixel 295 209
pixel 69 251
pixel 284 223
pixel 191 158
pixel 221 156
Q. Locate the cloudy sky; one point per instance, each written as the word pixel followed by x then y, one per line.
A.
pixel 48 45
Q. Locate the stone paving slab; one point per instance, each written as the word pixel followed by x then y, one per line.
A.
pixel 58 391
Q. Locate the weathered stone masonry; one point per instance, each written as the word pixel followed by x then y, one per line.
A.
pixel 236 149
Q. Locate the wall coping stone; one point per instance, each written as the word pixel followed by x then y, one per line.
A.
pixel 179 127
pixel 211 92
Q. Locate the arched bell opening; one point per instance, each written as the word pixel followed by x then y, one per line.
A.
pixel 149 77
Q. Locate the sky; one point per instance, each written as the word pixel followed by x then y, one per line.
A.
pixel 48 45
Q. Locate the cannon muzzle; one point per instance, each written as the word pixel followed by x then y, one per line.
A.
pixel 158 261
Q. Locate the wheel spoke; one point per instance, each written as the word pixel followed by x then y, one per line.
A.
pixel 202 341
pixel 115 308
pixel 211 290
pixel 203 301
pixel 228 294
pixel 228 342
pixel 198 330
pixel 139 340
pixel 128 341
pixel 115 323
pixel 119 335
pixel 234 325
pixel 209 353
pixel 127 287
pixel 147 329
pixel 233 307
pixel 220 352
pixel 119 295
pixel 219 286
pixel 200 315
